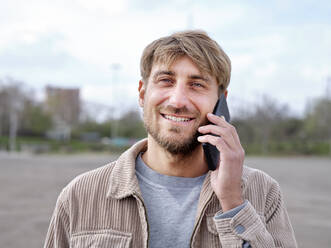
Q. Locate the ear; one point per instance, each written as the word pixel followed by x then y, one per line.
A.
pixel 226 94
pixel 141 89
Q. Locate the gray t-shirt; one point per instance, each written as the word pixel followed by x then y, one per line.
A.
pixel 171 204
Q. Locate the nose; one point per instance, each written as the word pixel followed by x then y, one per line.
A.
pixel 178 96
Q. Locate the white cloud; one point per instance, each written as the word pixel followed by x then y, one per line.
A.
pixel 74 43
pixel 109 7
pixel 241 61
pixel 216 19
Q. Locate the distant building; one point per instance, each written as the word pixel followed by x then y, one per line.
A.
pixel 64 105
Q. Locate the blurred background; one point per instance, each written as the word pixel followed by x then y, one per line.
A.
pixel 69 73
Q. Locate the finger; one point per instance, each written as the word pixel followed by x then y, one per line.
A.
pixel 218 120
pixel 220 144
pixel 225 133
pixel 235 136
pixel 214 129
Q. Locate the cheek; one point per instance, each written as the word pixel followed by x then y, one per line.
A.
pixel 205 105
pixel 156 97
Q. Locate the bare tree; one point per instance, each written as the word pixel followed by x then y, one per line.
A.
pixel 11 104
pixel 266 114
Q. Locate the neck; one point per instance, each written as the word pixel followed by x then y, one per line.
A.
pixel 163 162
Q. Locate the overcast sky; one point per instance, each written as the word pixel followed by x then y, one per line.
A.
pixel 279 48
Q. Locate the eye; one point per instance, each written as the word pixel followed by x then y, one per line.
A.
pixel 165 81
pixel 197 85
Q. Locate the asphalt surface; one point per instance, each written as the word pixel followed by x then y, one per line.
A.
pixel 30 184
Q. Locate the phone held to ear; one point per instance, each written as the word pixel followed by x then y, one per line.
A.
pixel 212 154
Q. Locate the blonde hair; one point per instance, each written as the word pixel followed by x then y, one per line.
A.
pixel 198 46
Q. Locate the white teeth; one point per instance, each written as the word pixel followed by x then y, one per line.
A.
pixel 173 118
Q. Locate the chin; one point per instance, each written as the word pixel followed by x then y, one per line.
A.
pixel 177 144
pixel 175 140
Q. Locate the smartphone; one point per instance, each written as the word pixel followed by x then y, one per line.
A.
pixel 212 154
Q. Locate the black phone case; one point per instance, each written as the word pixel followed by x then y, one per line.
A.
pixel 212 155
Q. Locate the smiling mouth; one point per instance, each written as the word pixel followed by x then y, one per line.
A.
pixel 177 118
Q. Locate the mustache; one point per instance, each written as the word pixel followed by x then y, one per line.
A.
pixel 179 111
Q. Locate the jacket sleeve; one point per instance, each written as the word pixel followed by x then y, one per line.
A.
pixel 271 229
pixel 59 228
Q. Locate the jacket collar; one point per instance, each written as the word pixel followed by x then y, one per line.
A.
pixel 123 181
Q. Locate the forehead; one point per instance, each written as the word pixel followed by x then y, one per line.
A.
pixel 181 65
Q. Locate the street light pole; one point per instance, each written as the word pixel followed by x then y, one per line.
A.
pixel 14 107
pixel 12 129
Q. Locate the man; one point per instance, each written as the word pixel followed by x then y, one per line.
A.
pixel 160 193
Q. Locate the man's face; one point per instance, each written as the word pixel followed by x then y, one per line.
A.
pixel 175 102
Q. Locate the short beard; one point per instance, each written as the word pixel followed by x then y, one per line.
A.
pixel 175 148
pixel 179 147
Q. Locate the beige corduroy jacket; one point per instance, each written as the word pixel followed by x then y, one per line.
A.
pixel 104 208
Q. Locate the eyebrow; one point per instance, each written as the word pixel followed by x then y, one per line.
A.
pixel 171 73
pixel 206 79
pixel 159 73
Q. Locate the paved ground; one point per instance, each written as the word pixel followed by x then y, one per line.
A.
pixel 29 186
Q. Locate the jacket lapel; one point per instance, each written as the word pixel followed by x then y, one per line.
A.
pixel 123 181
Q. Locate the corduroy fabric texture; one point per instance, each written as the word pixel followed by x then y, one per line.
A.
pixel 104 208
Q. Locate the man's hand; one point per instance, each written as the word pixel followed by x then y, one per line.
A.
pixel 226 179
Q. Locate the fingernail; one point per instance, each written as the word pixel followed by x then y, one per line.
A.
pixel 222 117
